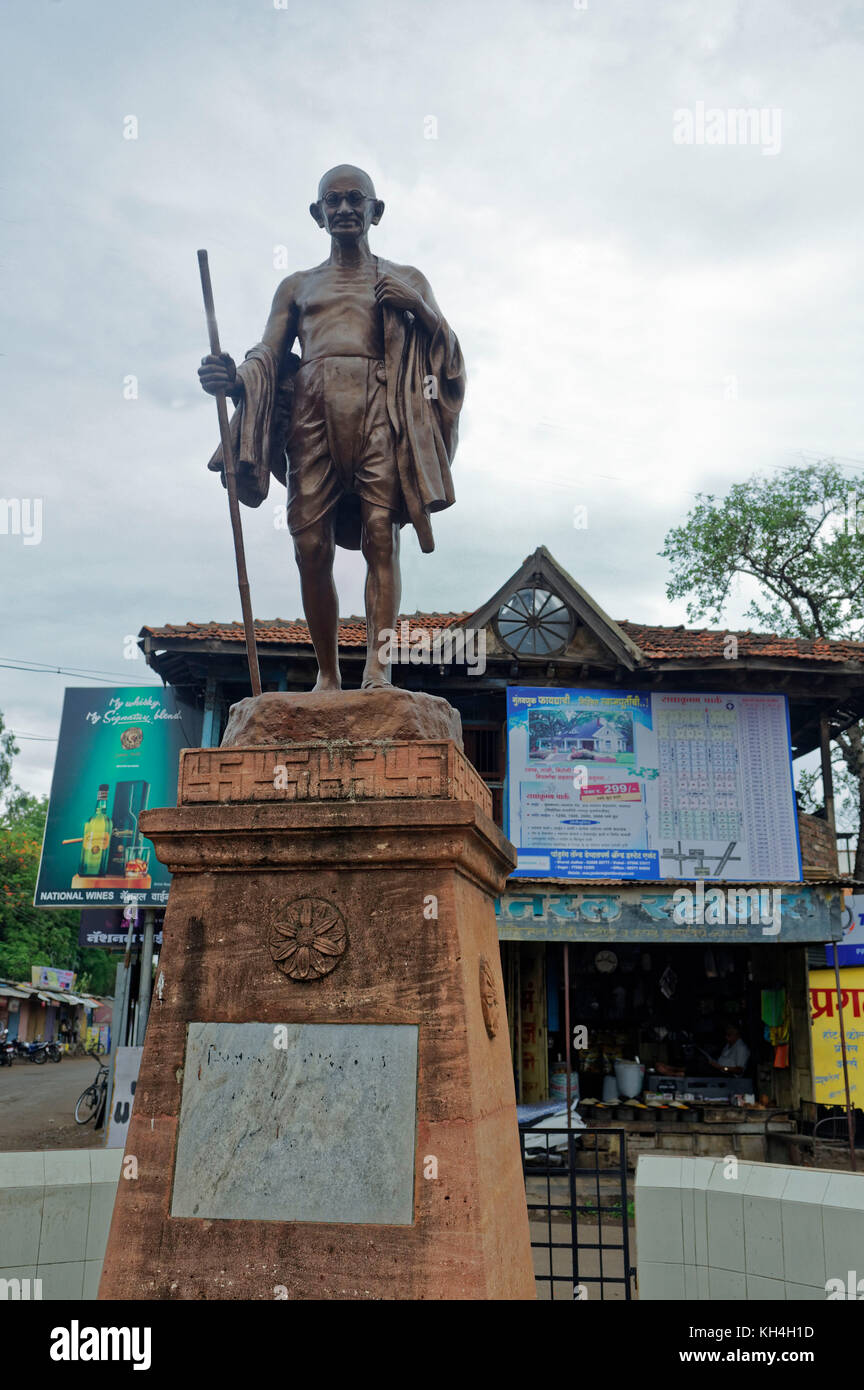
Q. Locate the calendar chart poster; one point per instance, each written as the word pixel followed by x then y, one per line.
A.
pixel 625 784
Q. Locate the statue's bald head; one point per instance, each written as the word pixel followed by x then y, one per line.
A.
pixel 347 206
pixel 358 179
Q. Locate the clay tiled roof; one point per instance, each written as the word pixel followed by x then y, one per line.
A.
pixel 292 631
pixel 687 644
pixel 656 643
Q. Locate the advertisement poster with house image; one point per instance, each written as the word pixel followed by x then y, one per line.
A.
pixel 623 784
pixel 118 754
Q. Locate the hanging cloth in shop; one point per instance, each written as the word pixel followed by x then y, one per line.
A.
pixel 781 1056
pixel 775 1016
pixel 773 1007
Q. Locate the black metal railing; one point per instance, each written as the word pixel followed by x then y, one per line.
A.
pixel 579 1212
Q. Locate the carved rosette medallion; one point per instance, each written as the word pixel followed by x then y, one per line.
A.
pixel 489 998
pixel 309 938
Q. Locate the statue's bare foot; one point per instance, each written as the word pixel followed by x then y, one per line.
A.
pixel 325 684
pixel 375 680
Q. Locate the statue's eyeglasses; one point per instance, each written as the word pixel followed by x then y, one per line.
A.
pixel 353 197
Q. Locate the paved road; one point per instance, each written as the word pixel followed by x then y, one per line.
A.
pixel 37 1106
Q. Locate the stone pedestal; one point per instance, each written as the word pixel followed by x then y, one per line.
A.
pixel 325 1108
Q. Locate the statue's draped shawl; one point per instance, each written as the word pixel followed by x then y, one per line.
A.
pixel 425 390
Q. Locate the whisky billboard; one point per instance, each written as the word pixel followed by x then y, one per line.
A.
pixel 118 755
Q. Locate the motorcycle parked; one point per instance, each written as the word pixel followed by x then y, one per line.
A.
pixel 44 1052
pixel 35 1051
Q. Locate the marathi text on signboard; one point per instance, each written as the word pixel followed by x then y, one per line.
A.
pixel 618 784
pixel 828 1084
pixel 110 928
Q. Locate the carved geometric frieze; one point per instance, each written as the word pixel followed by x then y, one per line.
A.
pixel 418 769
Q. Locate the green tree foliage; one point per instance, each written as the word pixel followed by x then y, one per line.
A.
pixel 796 535
pixel 790 534
pixel 32 935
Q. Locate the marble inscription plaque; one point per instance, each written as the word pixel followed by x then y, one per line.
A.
pixel 298 1122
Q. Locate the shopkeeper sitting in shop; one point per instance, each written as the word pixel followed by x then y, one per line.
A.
pixel 732 1060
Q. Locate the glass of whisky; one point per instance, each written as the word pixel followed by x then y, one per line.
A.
pixel 137 859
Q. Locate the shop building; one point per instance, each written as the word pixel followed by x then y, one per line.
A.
pixel 36 1012
pixel 643 973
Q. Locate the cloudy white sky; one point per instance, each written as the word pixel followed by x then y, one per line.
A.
pixel 641 319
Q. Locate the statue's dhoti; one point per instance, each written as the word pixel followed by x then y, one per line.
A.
pixel 341 445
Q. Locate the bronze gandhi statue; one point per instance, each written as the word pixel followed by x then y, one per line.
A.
pixel 362 426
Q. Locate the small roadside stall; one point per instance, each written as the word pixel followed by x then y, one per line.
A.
pixel 646 986
pixel 37 1011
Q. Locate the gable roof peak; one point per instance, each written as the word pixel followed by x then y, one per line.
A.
pixel 542 565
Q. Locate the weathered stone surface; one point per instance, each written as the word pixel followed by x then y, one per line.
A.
pixel 413 882
pixel 357 715
pixel 298 1122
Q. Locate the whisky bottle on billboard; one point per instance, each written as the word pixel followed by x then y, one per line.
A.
pixel 130 799
pixel 97 838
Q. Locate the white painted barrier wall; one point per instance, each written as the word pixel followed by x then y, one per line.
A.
pixel 715 1229
pixel 55 1211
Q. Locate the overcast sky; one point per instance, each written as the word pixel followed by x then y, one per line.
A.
pixel 641 318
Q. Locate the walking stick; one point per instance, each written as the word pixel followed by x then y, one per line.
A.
pixel 231 483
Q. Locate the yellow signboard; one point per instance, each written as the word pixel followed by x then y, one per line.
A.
pixel 829 1088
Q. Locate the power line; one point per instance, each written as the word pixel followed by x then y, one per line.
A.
pixel 82 670
pixel 42 668
pixel 37 738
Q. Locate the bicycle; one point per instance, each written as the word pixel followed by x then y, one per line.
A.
pixel 92 1100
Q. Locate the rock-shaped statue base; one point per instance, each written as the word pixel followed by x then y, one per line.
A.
pixel 354 715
